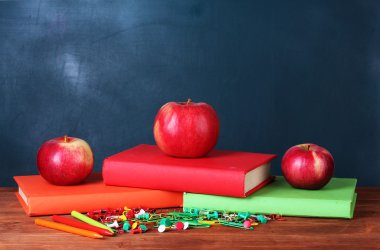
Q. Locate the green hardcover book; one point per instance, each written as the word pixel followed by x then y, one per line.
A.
pixel 337 200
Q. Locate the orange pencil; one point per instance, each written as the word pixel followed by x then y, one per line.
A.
pixel 65 228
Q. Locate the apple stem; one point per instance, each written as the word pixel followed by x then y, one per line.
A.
pixel 308 147
pixel 65 138
pixel 188 101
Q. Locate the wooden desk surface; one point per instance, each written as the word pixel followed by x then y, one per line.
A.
pixel 17 231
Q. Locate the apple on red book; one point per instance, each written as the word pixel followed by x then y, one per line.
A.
pixel 307 166
pixel 186 129
pixel 65 160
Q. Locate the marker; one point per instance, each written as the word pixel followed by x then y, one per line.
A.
pixel 82 225
pixel 66 228
pixel 90 221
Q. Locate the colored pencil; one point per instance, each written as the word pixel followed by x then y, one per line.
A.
pixel 90 221
pixel 82 225
pixel 66 228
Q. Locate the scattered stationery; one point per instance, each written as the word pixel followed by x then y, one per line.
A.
pixel 337 199
pixel 66 228
pixel 229 173
pixel 137 221
pixel 38 197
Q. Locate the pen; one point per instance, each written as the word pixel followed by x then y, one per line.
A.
pixel 90 221
pixel 66 228
pixel 82 225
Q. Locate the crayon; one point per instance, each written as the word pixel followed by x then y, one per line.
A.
pixel 66 228
pixel 89 221
pixel 82 225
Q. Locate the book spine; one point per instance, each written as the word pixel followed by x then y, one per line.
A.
pixel 263 205
pixel 23 204
pixel 174 178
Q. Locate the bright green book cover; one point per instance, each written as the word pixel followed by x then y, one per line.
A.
pixel 337 199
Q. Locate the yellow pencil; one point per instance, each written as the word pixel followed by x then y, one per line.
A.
pixel 66 228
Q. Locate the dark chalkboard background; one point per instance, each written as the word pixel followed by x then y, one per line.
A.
pixel 279 73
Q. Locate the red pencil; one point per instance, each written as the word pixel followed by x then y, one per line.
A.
pixel 80 224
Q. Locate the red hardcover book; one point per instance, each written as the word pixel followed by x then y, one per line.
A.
pixel 227 173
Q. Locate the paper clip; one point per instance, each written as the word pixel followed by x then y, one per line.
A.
pixel 277 217
pixel 209 222
pixel 237 225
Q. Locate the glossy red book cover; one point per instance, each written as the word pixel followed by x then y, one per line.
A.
pixel 38 197
pixel 219 173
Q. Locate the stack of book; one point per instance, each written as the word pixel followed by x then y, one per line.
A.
pixel 223 180
pixel 229 181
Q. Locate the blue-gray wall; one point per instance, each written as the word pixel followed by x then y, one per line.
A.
pixel 279 73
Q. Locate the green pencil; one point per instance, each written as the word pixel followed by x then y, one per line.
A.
pixel 89 221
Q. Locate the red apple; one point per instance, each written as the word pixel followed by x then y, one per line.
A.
pixel 186 129
pixel 65 160
pixel 307 166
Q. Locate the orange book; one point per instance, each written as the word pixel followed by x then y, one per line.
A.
pixel 38 197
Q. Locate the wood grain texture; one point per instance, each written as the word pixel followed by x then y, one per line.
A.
pixel 17 231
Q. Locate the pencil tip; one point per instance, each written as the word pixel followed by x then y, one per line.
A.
pixel 108 233
pixel 98 236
